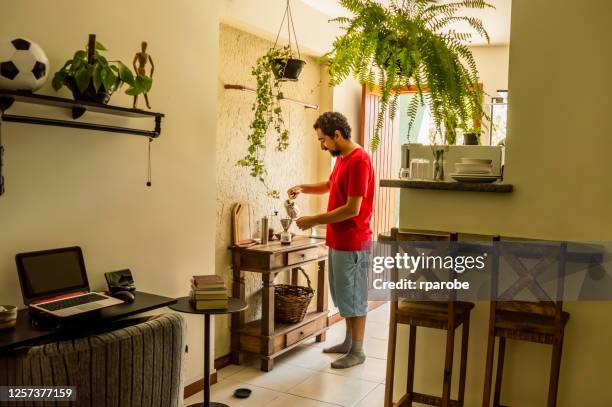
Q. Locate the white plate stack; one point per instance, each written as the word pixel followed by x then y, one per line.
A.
pixel 474 170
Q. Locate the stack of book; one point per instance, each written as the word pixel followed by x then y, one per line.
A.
pixel 208 292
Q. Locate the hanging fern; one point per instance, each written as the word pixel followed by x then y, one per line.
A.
pixel 405 45
pixel 267 113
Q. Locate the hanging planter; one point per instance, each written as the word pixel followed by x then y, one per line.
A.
pixel 290 68
pixel 275 66
pixel 404 44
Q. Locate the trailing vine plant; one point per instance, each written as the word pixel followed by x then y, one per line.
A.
pixel 267 113
pixel 408 43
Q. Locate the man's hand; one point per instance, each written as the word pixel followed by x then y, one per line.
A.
pixel 306 222
pixel 293 192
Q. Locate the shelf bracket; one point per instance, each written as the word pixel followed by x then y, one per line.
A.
pixel 78 111
pixel 5 103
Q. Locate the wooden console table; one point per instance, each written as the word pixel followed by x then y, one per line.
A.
pixel 264 337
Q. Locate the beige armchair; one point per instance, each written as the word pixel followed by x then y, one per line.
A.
pixel 139 365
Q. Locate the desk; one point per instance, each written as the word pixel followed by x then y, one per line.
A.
pixel 30 330
pixel 264 337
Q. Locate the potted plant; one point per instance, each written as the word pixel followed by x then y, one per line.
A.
pixel 276 66
pixel 405 45
pixel 267 112
pixel 92 78
pixel 471 138
pixel 288 68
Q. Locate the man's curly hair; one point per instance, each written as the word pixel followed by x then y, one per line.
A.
pixel 329 122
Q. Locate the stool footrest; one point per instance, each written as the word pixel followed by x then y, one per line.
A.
pixel 426 399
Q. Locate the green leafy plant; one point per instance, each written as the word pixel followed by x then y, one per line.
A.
pixel 267 113
pixel 102 74
pixel 406 44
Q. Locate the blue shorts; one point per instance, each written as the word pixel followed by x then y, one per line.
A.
pixel 348 281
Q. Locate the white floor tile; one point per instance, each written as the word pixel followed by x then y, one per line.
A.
pixel 303 376
pixel 375 348
pixel 331 388
pixel 377 330
pixel 375 398
pixel 281 378
pixel 380 314
pixel 372 370
pixel 222 392
pixel 228 371
pixel 335 334
pixel 286 400
pixel 308 357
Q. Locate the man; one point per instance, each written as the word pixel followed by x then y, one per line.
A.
pixel 349 211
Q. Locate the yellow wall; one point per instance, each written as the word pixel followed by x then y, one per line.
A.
pixel 557 157
pixel 76 187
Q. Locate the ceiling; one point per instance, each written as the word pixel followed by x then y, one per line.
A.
pixel 496 21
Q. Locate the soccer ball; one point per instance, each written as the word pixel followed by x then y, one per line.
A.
pixel 23 65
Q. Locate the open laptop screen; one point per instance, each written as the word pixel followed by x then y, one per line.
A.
pixel 50 273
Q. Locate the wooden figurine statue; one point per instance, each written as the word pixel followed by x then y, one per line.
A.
pixel 140 62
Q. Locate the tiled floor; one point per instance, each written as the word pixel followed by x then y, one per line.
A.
pixel 303 377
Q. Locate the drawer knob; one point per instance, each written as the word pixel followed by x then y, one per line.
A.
pixel 301 333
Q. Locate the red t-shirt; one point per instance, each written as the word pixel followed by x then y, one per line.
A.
pixel 352 175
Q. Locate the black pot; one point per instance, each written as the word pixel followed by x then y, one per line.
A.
pixel 102 96
pixel 470 139
pixel 291 71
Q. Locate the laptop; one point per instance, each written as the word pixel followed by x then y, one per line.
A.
pixel 55 282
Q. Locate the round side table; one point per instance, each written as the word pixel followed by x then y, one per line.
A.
pixel 184 305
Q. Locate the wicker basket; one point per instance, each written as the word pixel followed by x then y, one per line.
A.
pixel 291 301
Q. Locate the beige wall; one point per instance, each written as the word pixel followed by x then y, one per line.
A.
pixel 300 163
pixel 76 187
pixel 492 62
pixel 557 158
pixel 69 187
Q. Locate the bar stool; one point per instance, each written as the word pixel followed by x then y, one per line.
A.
pixel 444 315
pixel 541 321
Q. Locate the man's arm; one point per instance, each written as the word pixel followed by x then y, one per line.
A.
pixel 344 212
pixel 318 188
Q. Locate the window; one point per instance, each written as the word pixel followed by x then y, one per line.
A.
pixel 424 129
pixel 499 115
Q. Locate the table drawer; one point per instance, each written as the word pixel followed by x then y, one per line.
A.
pixel 304 331
pixel 300 256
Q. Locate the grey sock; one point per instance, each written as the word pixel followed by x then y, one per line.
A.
pixel 343 347
pixel 353 358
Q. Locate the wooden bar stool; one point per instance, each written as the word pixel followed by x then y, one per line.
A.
pixel 446 315
pixel 541 321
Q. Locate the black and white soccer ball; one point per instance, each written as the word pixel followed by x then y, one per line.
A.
pixel 23 65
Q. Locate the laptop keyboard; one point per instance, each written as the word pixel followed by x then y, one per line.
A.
pixel 72 302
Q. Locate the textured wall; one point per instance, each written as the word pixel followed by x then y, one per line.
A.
pixel 300 163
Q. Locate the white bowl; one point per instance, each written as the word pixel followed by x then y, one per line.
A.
pixel 481 161
pixel 8 317
pixel 473 168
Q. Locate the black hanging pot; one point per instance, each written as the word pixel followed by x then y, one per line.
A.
pixel 102 96
pixel 290 71
pixel 470 139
